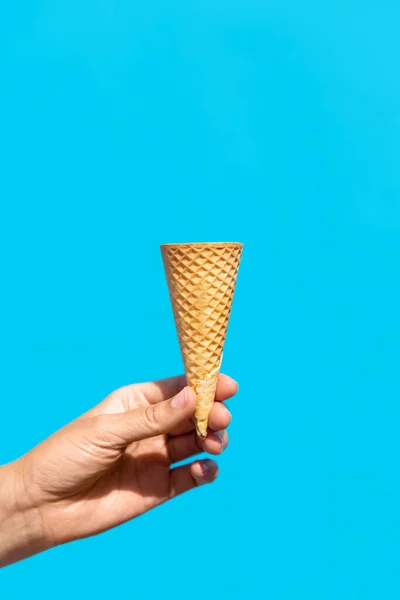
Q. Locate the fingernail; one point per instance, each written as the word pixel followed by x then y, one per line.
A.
pixel 180 400
pixel 207 466
pixel 229 414
pixel 221 435
pixel 208 470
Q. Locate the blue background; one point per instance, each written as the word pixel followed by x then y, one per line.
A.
pixel 123 125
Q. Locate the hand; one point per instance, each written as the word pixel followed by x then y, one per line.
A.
pixel 109 466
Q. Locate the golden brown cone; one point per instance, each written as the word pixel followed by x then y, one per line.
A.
pixel 201 282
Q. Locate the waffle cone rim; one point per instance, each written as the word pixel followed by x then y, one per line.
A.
pixel 211 245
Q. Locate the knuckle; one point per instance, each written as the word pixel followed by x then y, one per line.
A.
pixel 152 415
pixel 100 424
pixel 102 432
pixel 172 451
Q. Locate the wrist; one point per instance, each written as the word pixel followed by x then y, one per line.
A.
pixel 21 530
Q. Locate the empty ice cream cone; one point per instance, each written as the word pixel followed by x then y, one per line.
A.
pixel 201 282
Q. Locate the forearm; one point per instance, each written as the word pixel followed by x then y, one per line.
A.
pixel 20 525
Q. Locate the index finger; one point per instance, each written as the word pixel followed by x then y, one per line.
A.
pixel 158 391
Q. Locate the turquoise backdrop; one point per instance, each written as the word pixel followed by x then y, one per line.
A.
pixel 127 124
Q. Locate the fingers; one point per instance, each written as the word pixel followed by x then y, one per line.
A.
pixel 188 444
pixel 226 388
pixel 183 479
pixel 158 391
pixel 216 442
pixel 219 418
pixel 184 446
pixel 119 430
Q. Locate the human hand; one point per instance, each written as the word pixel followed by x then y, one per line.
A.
pixel 108 466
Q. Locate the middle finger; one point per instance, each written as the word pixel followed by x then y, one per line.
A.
pixel 189 444
pixel 219 418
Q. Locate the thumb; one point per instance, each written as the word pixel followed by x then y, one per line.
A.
pixel 141 423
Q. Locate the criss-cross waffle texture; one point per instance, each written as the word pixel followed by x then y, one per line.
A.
pixel 201 281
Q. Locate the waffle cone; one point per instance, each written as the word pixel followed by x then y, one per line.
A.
pixel 201 282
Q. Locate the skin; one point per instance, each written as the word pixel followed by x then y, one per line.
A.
pixel 110 465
